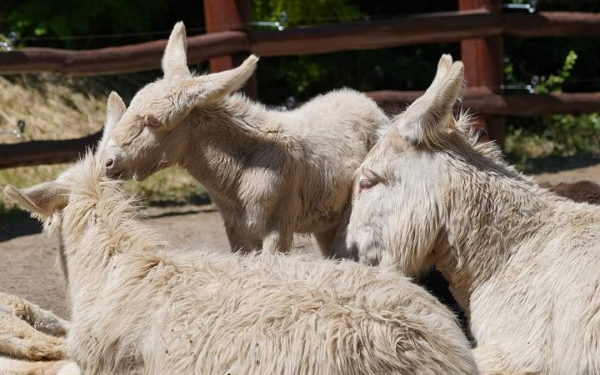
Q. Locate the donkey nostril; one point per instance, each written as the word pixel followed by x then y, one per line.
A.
pixel 110 163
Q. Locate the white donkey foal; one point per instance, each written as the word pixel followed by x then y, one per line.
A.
pixel 271 173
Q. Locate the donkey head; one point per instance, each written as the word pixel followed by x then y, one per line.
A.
pixel 150 136
pixel 398 198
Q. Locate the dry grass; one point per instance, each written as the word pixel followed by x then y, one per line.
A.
pixel 63 108
pixel 52 108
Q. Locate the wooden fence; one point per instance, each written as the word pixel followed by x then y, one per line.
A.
pixel 479 25
pixel 402 31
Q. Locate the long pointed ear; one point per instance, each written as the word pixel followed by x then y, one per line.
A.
pixel 174 61
pixel 442 69
pixel 43 199
pixel 218 85
pixel 115 108
pixel 425 120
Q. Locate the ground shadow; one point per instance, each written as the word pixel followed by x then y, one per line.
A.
pixel 196 199
pixel 17 224
pixel 554 164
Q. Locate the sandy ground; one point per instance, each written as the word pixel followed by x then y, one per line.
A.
pixel 27 257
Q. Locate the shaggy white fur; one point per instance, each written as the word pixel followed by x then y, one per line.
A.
pixel 11 366
pixel 142 307
pixel 523 262
pixel 32 340
pixel 271 173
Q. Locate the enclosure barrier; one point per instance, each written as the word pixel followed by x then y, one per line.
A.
pixel 479 26
pixel 401 31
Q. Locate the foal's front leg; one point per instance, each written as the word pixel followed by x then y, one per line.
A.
pixel 237 241
pixel 280 220
pixel 278 240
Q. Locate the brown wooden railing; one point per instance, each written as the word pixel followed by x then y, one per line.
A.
pixel 402 31
pixel 479 25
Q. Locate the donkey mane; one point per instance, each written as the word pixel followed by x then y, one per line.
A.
pixel 241 114
pixel 487 156
pixel 95 198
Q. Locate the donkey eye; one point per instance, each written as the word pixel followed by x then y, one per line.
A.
pixel 152 122
pixel 366 183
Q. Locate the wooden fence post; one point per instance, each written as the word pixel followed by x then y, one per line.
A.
pixel 484 65
pixel 223 15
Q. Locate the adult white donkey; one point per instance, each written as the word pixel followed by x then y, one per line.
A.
pixel 523 262
pixel 271 173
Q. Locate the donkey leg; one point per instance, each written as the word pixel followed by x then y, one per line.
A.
pixel 325 240
pixel 278 240
pixel 20 340
pixel 337 248
pixel 237 240
pixel 42 320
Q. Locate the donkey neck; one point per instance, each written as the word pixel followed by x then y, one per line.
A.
pixel 99 223
pixel 490 215
pixel 224 137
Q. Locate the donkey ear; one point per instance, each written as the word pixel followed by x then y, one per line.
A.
pixel 442 69
pixel 424 120
pixel 174 61
pixel 43 199
pixel 115 108
pixel 218 85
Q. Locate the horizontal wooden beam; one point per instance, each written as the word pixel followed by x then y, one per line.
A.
pixel 555 24
pixel 414 29
pixel 45 152
pixel 407 30
pixel 131 58
pixel 533 105
pixel 422 29
pixel 483 101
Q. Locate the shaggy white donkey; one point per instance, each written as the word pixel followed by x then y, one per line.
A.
pixel 271 173
pixel 142 307
pixel 523 262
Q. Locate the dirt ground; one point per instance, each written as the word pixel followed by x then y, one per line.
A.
pixel 27 257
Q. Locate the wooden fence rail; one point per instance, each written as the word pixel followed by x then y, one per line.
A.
pixel 45 152
pixel 416 29
pixel 483 101
pixel 112 60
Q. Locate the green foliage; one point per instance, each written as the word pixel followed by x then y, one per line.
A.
pixel 302 12
pixel 553 82
pixel 68 18
pixel 554 135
